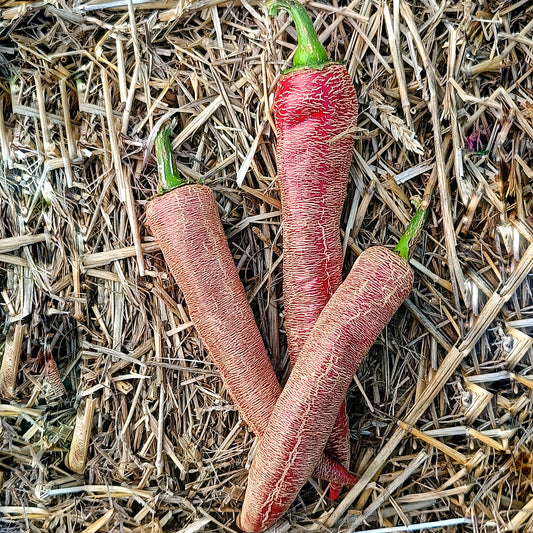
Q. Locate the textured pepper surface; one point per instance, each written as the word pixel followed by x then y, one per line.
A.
pixel 316 114
pixel 187 226
pixel 298 429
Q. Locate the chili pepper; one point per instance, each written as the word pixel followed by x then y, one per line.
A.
pixel 299 427
pixel 315 107
pixel 185 222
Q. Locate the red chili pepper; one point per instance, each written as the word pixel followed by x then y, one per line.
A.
pixel 185 221
pixel 315 107
pixel 299 427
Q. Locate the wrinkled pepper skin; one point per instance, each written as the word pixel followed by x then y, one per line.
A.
pixel 187 227
pixel 316 114
pixel 299 427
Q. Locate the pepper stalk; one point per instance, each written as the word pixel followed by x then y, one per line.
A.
pixel 309 52
pixel 169 176
pixel 413 230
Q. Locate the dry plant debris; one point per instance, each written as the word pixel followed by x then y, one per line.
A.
pixel 102 369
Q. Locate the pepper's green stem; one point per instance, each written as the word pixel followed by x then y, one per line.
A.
pixel 309 52
pixel 413 230
pixel 169 176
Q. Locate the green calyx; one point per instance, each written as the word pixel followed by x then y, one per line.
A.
pixel 413 230
pixel 169 176
pixel 309 52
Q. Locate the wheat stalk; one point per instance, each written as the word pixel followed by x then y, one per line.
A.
pixel 396 126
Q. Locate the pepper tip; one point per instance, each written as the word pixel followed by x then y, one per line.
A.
pixel 334 491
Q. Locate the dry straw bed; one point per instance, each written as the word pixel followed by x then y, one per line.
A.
pixel 112 416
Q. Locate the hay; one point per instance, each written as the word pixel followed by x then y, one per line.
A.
pixel 440 411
